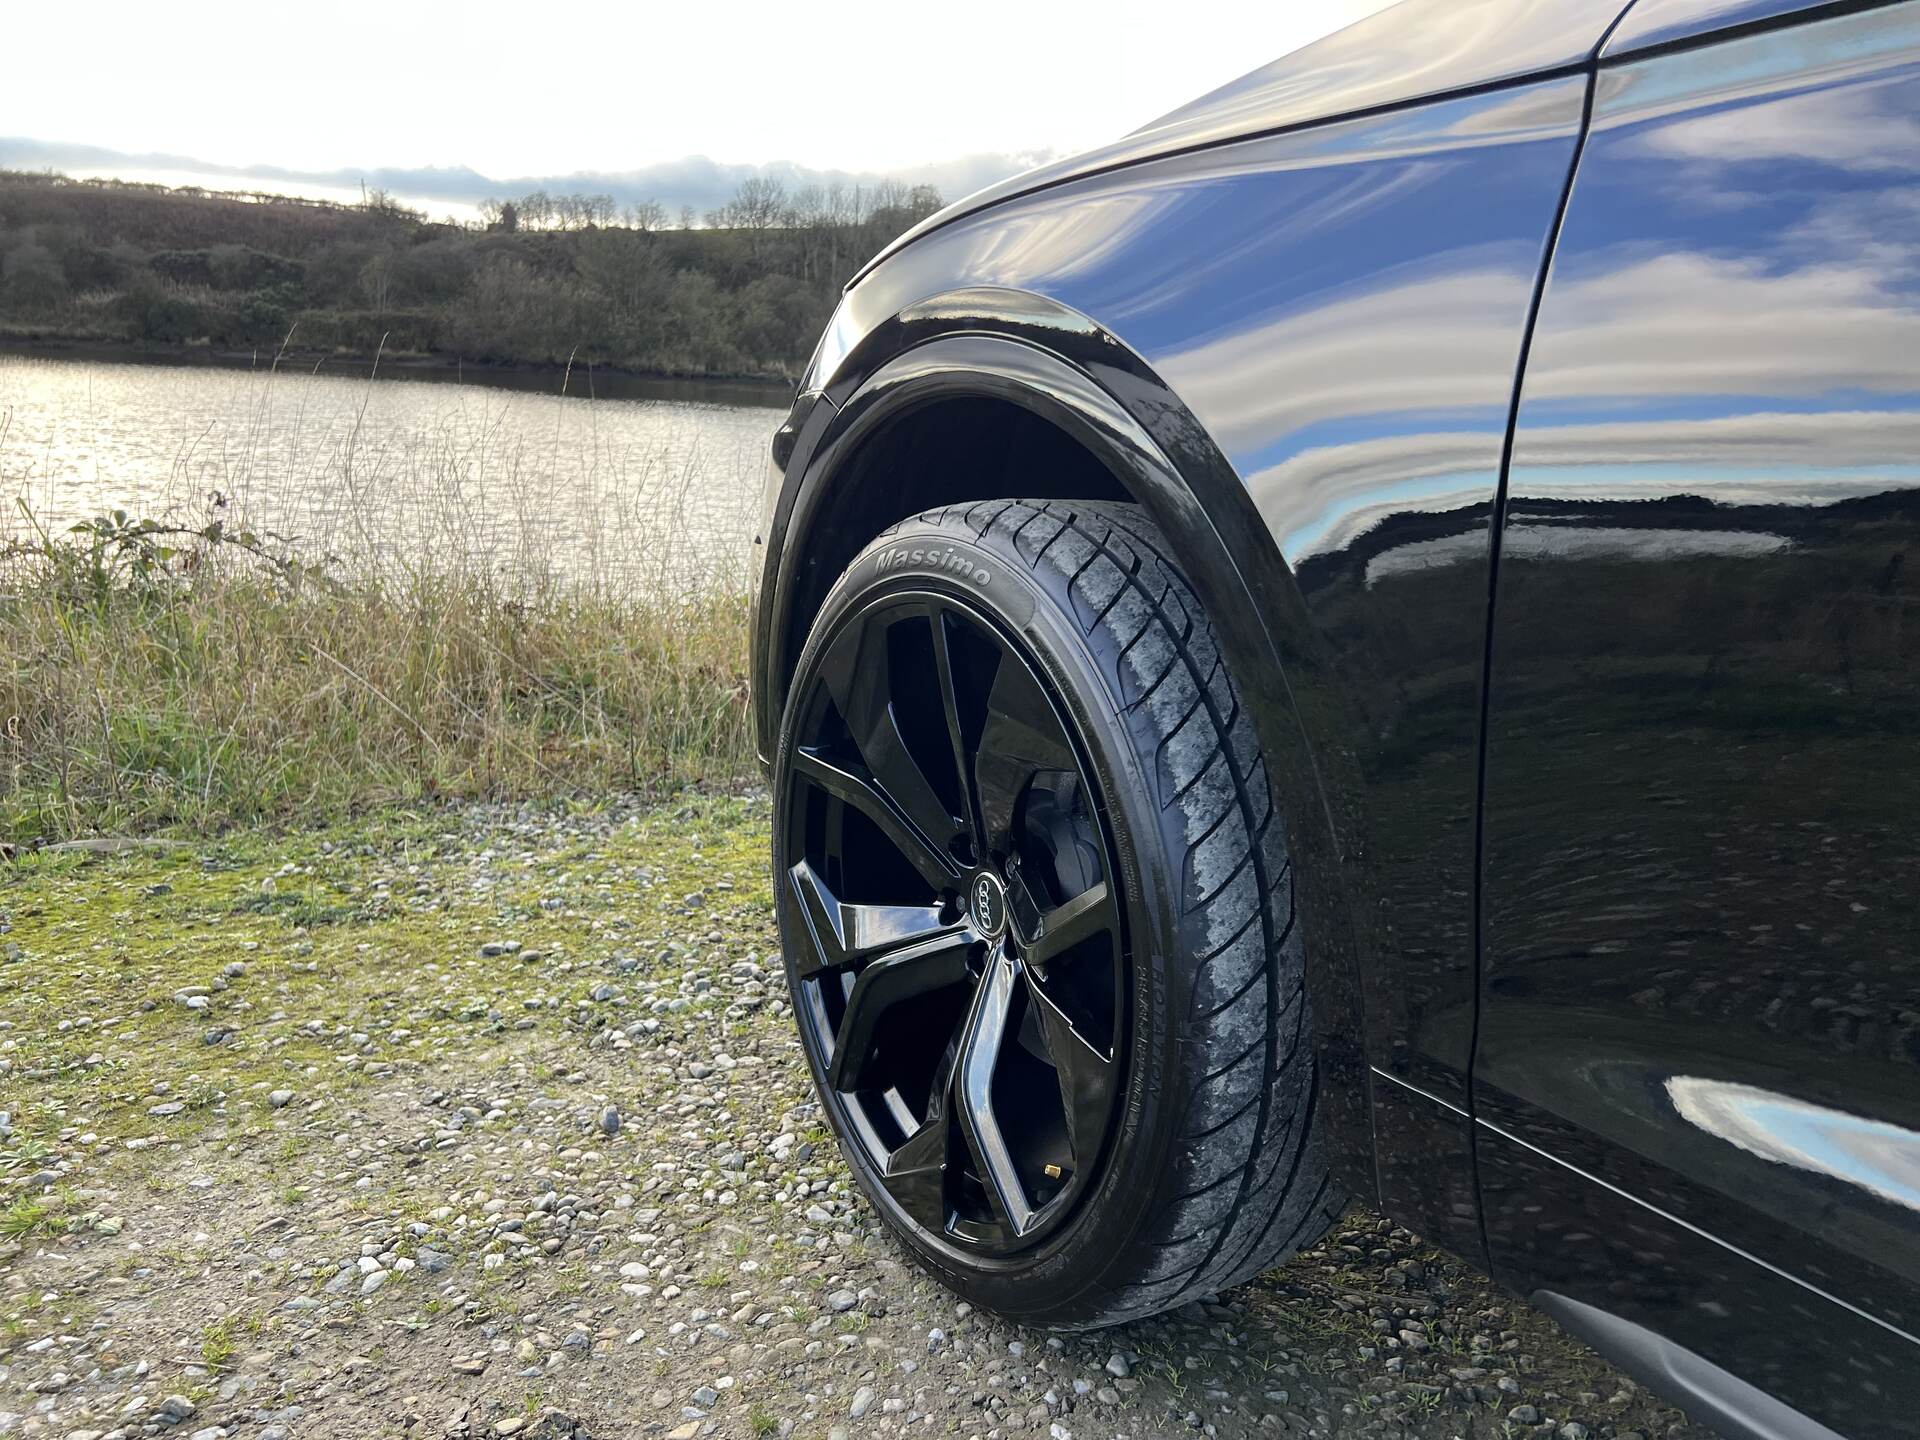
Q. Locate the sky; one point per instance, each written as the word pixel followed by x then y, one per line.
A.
pixel 545 90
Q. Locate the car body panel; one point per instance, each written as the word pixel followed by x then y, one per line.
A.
pixel 1701 1016
pixel 1340 312
pixel 1415 50
pixel 1650 24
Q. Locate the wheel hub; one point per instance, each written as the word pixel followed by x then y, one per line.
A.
pixel 987 904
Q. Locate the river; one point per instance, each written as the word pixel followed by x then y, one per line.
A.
pixel 627 483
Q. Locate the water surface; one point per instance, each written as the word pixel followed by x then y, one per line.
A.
pixel 651 492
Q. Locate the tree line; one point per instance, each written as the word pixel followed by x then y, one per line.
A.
pixel 538 279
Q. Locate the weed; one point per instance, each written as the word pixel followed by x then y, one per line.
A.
pixel 217 1343
pixel 27 1217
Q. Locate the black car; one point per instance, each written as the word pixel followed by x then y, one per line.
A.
pixel 1364 641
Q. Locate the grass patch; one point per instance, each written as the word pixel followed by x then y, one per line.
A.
pixel 192 679
pixel 107 950
pixel 220 1341
pixel 27 1217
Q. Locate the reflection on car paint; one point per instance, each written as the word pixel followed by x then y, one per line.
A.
pixel 1872 1154
pixel 1701 851
pixel 1342 310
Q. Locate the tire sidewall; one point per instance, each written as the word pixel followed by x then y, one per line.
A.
pixel 1062 1281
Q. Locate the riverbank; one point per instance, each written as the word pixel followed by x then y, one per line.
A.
pixel 476 1121
pixel 746 293
pixel 583 379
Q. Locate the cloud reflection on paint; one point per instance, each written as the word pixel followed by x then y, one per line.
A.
pixel 1869 1154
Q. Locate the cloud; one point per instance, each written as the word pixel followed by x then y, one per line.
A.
pixel 694 180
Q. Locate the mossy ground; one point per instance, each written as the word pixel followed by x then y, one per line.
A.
pixel 100 948
pixel 158 1208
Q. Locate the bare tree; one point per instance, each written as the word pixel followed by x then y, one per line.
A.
pixel 647 216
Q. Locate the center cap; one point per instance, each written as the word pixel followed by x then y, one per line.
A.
pixel 987 898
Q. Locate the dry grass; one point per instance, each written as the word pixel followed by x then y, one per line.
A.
pixel 184 674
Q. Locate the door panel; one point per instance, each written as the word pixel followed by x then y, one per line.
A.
pixel 1701 959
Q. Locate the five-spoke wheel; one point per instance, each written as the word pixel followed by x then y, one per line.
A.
pixel 962 984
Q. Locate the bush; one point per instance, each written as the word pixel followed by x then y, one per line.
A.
pixel 31 280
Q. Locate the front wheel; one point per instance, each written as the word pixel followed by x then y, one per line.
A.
pixel 1037 916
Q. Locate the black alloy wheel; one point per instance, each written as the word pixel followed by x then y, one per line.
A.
pixel 1036 909
pixel 964 972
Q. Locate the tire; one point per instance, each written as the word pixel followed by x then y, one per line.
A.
pixel 1205 1166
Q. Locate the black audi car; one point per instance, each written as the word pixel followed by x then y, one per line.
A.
pixel 1364 641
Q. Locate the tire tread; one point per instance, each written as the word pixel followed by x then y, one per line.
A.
pixel 1246 1183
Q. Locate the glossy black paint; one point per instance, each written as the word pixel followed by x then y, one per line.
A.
pixel 1651 24
pixel 1304 343
pixel 1702 943
pixel 1415 50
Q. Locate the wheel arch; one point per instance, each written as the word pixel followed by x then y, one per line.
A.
pixel 955 375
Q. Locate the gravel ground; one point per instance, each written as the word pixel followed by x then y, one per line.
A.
pixel 485 1123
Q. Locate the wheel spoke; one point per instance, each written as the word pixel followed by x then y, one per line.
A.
pixel 981 1039
pixel 1022 737
pixel 862 688
pixel 935 865
pixel 900 976
pixel 1086 1075
pixel 943 656
pixel 844 934
pixel 916 1173
pixel 1047 936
